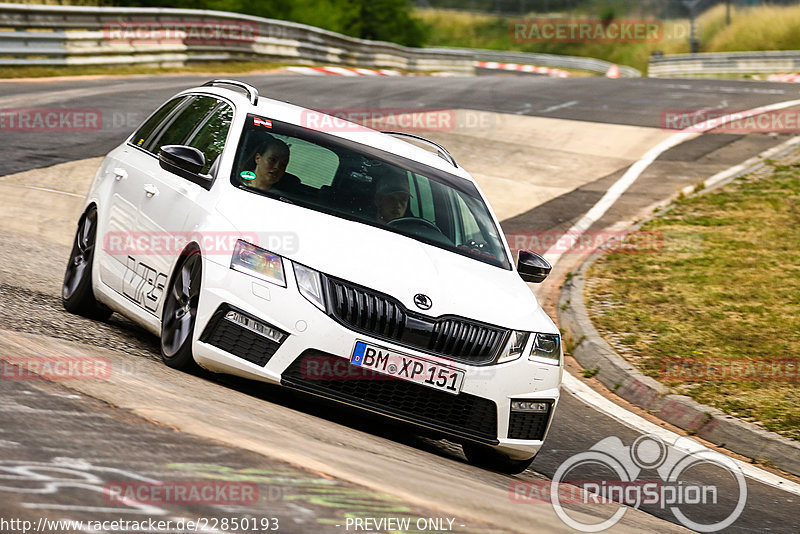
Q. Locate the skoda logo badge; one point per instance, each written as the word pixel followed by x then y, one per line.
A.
pixel 423 302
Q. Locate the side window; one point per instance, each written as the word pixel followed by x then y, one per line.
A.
pixel 471 228
pixel 155 120
pixel 183 123
pixel 210 138
pixel 421 201
pixel 315 165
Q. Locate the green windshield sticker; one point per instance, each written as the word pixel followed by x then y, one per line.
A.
pixel 248 175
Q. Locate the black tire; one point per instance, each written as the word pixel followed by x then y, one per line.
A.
pixel 180 313
pixel 489 458
pixel 77 295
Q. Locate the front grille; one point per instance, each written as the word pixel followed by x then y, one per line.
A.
pixel 238 340
pixel 530 426
pixel 366 310
pixel 465 339
pixel 462 415
pixel 382 316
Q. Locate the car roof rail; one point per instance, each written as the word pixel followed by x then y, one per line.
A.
pixel 440 150
pixel 252 92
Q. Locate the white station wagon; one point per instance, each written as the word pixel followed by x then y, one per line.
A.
pixel 359 266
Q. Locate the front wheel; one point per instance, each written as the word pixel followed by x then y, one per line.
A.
pixel 491 459
pixel 180 313
pixel 77 294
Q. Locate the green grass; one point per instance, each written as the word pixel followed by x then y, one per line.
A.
pixel 725 287
pixel 754 28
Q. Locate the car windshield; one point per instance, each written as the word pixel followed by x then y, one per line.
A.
pixel 355 182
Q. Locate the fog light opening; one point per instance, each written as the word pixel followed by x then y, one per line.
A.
pixel 258 327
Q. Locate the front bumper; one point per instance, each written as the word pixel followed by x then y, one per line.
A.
pixel 481 412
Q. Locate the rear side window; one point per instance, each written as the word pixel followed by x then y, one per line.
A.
pixel 146 130
pixel 182 124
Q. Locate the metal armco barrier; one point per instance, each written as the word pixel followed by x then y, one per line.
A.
pixel 699 65
pixel 77 35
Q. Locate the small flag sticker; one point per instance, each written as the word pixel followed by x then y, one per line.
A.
pixel 358 353
pixel 262 122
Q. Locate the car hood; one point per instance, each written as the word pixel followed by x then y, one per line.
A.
pixel 387 262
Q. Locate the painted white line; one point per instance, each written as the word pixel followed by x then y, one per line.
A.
pixel 595 400
pixel 568 240
pixel 559 106
pixel 44 189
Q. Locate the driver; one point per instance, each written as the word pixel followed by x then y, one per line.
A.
pixel 391 196
pixel 268 162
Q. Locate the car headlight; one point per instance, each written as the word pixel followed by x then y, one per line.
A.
pixel 309 283
pixel 255 261
pixel 546 348
pixel 514 347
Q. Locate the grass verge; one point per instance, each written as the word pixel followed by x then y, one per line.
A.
pixel 750 28
pixel 722 296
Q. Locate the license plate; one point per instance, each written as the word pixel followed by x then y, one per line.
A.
pixel 405 367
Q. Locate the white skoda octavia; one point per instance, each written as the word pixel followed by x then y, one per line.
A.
pixel 257 240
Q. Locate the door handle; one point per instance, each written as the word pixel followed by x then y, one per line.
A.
pixel 150 190
pixel 120 174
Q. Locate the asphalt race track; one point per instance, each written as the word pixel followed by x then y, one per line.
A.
pixel 116 439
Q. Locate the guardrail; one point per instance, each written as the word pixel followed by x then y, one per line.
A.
pixel 720 63
pixel 78 35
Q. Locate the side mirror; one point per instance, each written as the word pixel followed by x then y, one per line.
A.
pixel 532 267
pixel 185 161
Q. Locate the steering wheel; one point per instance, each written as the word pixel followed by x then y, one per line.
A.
pixel 411 221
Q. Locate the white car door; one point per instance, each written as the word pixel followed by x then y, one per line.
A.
pixel 168 198
pixel 120 216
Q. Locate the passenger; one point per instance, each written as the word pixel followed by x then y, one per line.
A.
pixel 391 196
pixel 268 167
